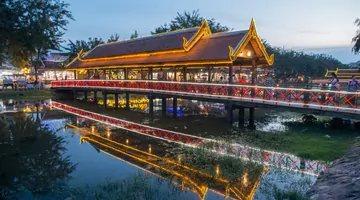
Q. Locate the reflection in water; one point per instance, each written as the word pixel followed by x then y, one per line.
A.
pixel 31 158
pixel 196 180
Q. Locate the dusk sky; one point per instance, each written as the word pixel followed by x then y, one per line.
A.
pixel 319 26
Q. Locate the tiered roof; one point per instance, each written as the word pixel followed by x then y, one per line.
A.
pixel 194 46
pixel 343 73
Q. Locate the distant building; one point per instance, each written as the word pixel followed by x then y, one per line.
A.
pixel 52 66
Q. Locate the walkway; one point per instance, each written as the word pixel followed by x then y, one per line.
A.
pixel 341 102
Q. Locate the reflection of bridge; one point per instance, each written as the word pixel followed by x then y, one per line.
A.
pixel 191 178
pixel 270 158
pixel 295 99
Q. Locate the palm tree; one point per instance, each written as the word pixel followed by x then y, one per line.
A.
pixel 113 38
pixel 356 39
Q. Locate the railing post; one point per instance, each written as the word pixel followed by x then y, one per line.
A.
pixel 306 95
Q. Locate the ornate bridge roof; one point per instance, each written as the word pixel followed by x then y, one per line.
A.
pixel 194 46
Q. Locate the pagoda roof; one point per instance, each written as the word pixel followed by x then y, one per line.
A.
pixel 343 73
pixel 194 46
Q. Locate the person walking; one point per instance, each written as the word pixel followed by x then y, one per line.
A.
pixel 353 87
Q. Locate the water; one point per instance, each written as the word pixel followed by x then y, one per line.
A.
pixel 108 160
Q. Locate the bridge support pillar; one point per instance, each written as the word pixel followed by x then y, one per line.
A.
pixel 230 116
pixel 116 96
pixel 241 116
pixel 75 95
pixel 175 107
pixel 151 105
pixel 163 106
pixel 252 118
pixel 127 98
pixel 105 99
pixel 95 97
pixel 86 96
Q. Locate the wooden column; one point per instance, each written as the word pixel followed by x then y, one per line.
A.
pixel 74 74
pixel 209 73
pixel 126 73
pixel 230 73
pixel 185 73
pixel 150 75
pixel 253 70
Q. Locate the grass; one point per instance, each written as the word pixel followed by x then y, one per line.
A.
pixel 31 94
pixel 310 144
pixel 305 145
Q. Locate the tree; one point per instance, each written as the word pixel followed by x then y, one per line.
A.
pixel 38 26
pixel 32 158
pixel 113 38
pixel 134 35
pixel 75 47
pixel 356 39
pixel 189 20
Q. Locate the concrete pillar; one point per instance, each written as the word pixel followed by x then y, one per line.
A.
pixel 75 95
pixel 105 98
pixel 252 118
pixel 151 105
pixel 163 106
pixel 95 97
pixel 241 116
pixel 230 116
pixel 175 107
pixel 86 96
pixel 116 96
pixel 127 98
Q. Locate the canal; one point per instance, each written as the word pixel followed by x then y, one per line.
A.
pixel 85 159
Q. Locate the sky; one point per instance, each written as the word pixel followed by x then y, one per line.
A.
pixel 314 26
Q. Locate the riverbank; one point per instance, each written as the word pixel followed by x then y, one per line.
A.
pixel 341 180
pixel 309 144
pixel 31 94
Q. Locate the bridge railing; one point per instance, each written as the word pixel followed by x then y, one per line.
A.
pixel 292 97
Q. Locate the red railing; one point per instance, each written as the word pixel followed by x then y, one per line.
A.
pixel 291 97
pixel 270 158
